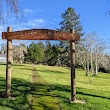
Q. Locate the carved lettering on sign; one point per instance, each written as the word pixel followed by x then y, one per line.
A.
pixel 40 34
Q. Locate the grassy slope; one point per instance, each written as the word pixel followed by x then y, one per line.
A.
pixel 96 94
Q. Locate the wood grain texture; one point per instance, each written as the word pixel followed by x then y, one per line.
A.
pixel 40 34
pixel 9 65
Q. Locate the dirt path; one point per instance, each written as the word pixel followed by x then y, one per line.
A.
pixel 43 98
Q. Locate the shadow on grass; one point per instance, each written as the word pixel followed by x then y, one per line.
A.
pixel 23 68
pixel 43 96
pixel 17 64
pixel 61 92
pixel 82 91
pixel 20 91
pixel 13 64
pixel 2 64
pixel 52 71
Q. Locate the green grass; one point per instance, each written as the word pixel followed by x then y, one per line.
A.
pixel 21 86
pixel 43 98
pixel 96 94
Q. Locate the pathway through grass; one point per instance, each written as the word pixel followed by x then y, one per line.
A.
pixel 28 87
pixel 43 97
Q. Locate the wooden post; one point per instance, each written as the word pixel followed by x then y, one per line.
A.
pixel 8 65
pixel 72 58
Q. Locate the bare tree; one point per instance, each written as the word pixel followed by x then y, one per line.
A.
pixel 98 51
pixel 9 8
pixel 91 53
pixel 89 43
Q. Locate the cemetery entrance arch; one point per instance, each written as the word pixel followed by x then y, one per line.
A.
pixel 40 34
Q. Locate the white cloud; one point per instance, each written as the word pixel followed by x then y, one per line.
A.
pixel 28 11
pixel 31 24
pixel 31 11
pixel 36 23
pixel 55 19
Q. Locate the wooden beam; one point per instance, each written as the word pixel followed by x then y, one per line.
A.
pixel 40 34
pixel 73 75
pixel 8 65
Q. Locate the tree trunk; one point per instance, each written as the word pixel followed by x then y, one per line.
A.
pixel 92 69
pixel 96 63
pixel 87 63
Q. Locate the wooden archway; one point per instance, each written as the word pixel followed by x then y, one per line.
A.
pixel 40 34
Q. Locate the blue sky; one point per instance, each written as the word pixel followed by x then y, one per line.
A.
pixel 93 13
pixel 47 14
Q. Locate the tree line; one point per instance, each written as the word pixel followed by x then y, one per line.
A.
pixel 90 57
pixel 90 50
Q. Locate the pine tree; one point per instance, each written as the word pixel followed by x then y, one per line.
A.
pixel 35 53
pixel 70 21
pixel 47 52
pixel 51 54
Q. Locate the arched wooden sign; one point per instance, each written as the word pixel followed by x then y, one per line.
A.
pixel 40 34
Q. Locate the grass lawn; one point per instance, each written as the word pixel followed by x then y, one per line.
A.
pixel 21 86
pixel 52 91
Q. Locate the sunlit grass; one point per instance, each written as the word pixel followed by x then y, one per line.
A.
pixel 95 94
pixel 21 86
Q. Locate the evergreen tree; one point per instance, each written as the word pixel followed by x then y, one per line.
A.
pixel 51 54
pixel 70 21
pixel 52 61
pixel 47 52
pixel 35 53
pixel 64 54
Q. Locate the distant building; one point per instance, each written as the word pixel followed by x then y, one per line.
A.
pixel 2 58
